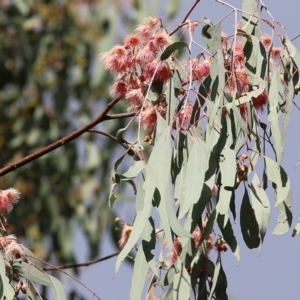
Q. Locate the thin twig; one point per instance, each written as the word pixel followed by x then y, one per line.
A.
pixel 185 18
pixel 70 137
pixel 109 136
pixel 295 37
pixel 67 274
pixel 86 264
pixel 118 116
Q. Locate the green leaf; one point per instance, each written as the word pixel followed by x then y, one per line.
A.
pixel 205 34
pixel 92 156
pixel 215 40
pixel 277 175
pixel 261 206
pixel 168 295
pixel 228 235
pixel 209 226
pixel 169 277
pixel 180 181
pixel 249 226
pixel 6 290
pixel 239 120
pixel 31 273
pixel 221 287
pixel 202 289
pixel 195 171
pixel 228 177
pixel 172 48
pixel 142 216
pixel 137 166
pixel 249 20
pixel 275 95
pixel 172 8
pixel 215 277
pixel 22 6
pixel 31 293
pixel 204 92
pixel 160 160
pixel 181 285
pixel 115 180
pixel 285 217
pixel 289 93
pixel 171 95
pixel 140 271
pixel 58 289
pixel 296 229
pixel 148 243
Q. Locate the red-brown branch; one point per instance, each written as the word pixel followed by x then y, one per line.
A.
pixel 57 268
pixel 70 137
pixel 185 18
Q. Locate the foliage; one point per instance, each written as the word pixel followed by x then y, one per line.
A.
pixel 217 124
pixel 50 85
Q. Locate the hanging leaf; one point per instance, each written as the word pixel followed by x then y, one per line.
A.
pixel 249 226
pixel 6 290
pixel 137 166
pixel 172 48
pixel 277 175
pixel 160 160
pixel 140 271
pixel 172 96
pixel 261 206
pixel 228 234
pixel 296 229
pixel 195 170
pixel 142 216
pixel 215 277
pixel 249 20
pixel 181 285
pixel 31 273
pixel 228 174
pixel 209 226
pixel 275 96
pixel 221 287
pixel 285 217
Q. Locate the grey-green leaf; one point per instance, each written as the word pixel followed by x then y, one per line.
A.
pixel 195 171
pixel 277 175
pixel 261 205
pixel 249 226
pixel 172 48
pixel 140 271
pixel 141 217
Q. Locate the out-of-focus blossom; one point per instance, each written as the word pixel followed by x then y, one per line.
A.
pixel 266 40
pixel 125 235
pixel 8 198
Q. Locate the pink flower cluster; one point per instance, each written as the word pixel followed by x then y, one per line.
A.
pixel 8 198
pixel 10 247
pixel 238 79
pixel 137 66
pixel 200 70
pixel 209 244
pixel 8 243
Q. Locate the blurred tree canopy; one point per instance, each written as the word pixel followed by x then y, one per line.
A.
pixel 51 84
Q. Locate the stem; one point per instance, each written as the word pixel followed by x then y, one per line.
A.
pixel 185 18
pixel 70 137
pixel 86 264
pixel 118 116
pixel 109 136
pixel 67 274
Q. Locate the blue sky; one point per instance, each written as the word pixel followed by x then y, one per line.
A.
pixel 275 273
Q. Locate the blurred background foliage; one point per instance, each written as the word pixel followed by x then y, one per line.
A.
pixel 51 83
